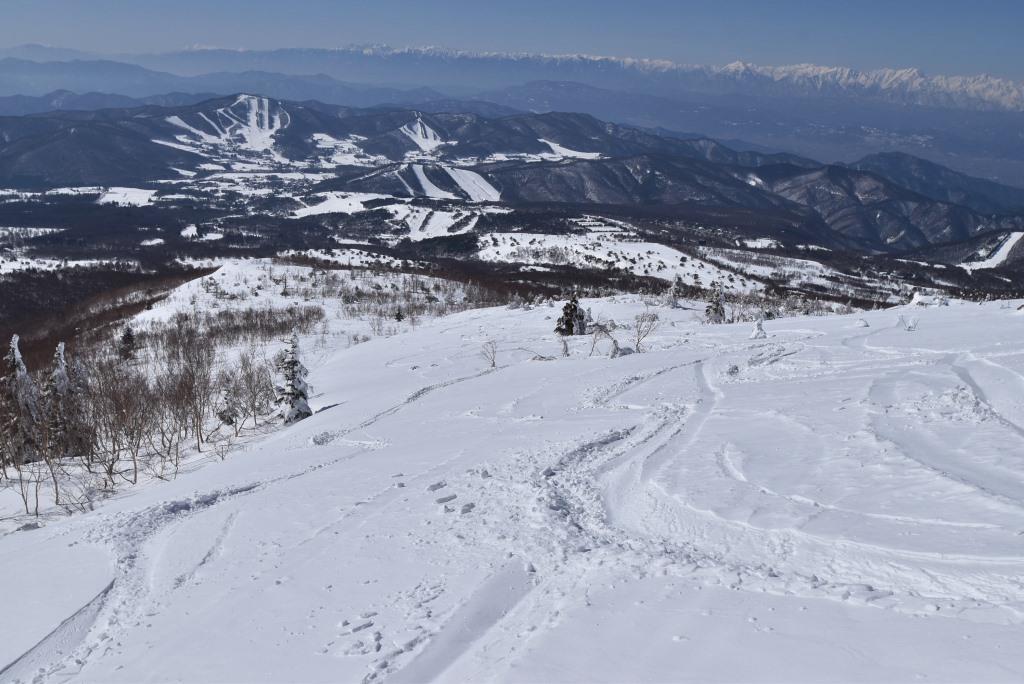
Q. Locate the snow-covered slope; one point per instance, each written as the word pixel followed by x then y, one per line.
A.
pixel 998 256
pixel 249 124
pixel 832 503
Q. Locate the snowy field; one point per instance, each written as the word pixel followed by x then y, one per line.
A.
pixel 602 249
pixel 832 503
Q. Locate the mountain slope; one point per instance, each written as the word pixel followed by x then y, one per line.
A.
pixel 943 184
pixel 60 100
pixel 818 126
pixel 27 78
pixel 878 212
pixel 549 158
pixel 828 113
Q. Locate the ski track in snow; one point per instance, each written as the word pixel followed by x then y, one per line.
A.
pixel 536 497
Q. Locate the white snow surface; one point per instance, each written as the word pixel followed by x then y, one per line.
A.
pixel 18 263
pixel 474 185
pixel 607 246
pixel 337 203
pixel 347 152
pixel 127 197
pixel 425 137
pixel 760 243
pixel 833 503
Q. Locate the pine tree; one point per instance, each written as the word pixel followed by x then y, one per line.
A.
pixel 126 345
pixel 55 397
pixel 293 393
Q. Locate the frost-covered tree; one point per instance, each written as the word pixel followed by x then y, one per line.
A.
pixel 573 320
pixel 229 411
pixel 676 292
pixel 19 409
pixel 583 318
pixel 758 333
pixel 715 310
pixel 565 323
pixel 293 392
pixel 57 404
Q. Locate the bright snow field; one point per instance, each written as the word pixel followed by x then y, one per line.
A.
pixel 832 503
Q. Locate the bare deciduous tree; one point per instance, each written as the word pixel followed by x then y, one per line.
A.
pixel 489 353
pixel 644 326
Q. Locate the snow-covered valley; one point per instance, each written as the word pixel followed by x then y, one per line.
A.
pixel 842 500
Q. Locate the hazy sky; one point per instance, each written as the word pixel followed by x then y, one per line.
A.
pixel 940 36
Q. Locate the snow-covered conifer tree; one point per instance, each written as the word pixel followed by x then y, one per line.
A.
pixel 19 408
pixel 579 326
pixel 566 324
pixel 55 397
pixel 293 393
pixel 715 311
pixel 675 293
pixel 63 405
pixel 230 411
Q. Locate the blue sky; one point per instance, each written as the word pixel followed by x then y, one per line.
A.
pixel 940 36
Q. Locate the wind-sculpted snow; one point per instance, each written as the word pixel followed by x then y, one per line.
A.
pixel 842 500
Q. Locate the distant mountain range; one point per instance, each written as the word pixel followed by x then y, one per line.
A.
pixel 971 124
pixel 65 100
pixel 24 77
pixel 481 70
pixel 884 203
